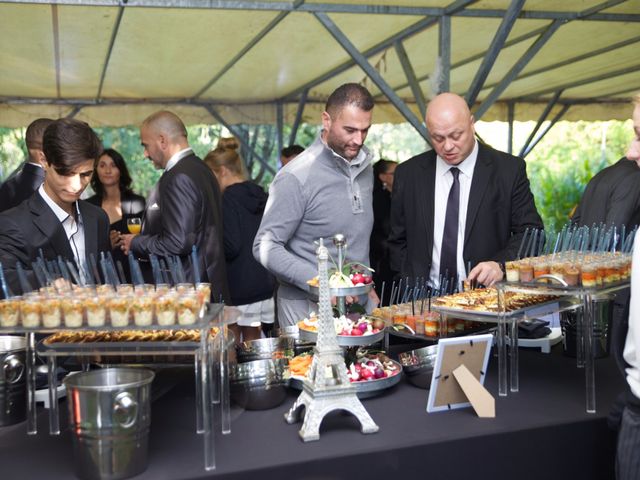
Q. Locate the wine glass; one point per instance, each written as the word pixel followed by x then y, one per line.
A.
pixel 134 225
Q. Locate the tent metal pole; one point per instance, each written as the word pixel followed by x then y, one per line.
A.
pixel 298 119
pixel 444 53
pixel 237 132
pixel 372 73
pixel 511 110
pixel 584 81
pixel 558 116
pixel 252 43
pixel 541 120
pixel 492 54
pixel 367 8
pixel 279 130
pixel 112 41
pixel 411 30
pixel 411 77
pixel 56 45
pixel 516 69
pixel 577 58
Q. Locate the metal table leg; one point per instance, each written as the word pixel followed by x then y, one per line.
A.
pixel 580 337
pixel 32 424
pixel 502 350
pixel 513 356
pixel 589 361
pixel 54 419
pixel 199 406
pixel 204 398
pixel 224 383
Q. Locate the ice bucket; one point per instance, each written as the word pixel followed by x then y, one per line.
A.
pixel 13 387
pixel 109 415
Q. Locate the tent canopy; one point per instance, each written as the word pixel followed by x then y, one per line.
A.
pixel 112 63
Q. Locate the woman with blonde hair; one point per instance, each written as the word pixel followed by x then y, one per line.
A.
pixel 251 286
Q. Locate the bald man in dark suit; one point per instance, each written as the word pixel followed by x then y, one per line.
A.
pixel 184 210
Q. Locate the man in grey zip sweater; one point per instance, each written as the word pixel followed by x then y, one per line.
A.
pixel 327 190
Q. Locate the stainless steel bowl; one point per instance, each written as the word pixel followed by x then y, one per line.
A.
pixel 292 331
pixel 418 365
pixel 265 348
pixel 259 384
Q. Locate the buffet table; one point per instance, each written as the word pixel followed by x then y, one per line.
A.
pixel 540 432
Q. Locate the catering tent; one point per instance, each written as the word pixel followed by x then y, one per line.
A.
pixel 112 62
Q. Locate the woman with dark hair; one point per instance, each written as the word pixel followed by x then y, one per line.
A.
pixel 111 183
pixel 379 250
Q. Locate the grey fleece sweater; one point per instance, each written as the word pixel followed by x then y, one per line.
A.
pixel 319 194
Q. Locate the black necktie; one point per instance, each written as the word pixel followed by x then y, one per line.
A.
pixel 449 250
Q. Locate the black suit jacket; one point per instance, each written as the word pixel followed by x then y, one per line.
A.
pixel 500 209
pixel 612 196
pixel 32 226
pixel 185 210
pixel 18 188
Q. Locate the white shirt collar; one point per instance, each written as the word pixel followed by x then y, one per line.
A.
pixel 466 166
pixel 59 212
pixel 176 158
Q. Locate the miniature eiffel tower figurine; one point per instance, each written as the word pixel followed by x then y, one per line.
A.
pixel 327 387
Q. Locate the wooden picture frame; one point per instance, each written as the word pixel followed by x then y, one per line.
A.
pixel 472 352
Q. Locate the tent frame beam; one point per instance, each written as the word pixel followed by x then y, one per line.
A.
pixel 411 30
pixel 252 43
pixel 411 77
pixel 491 54
pixel 237 132
pixel 298 119
pixel 541 120
pixel 444 53
pixel 555 120
pixel 373 74
pixel 369 9
pixel 517 68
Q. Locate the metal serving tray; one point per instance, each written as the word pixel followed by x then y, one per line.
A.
pixel 364 389
pixel 344 340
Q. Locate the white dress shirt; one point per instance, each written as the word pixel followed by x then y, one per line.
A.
pixel 177 157
pixel 72 227
pixel 444 181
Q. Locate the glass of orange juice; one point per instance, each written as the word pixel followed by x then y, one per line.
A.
pixel 134 225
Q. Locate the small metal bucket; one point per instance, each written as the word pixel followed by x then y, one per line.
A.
pixel 13 386
pixel 110 415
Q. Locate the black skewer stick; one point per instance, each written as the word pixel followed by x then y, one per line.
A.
pixel 42 280
pixel 22 277
pixel 94 269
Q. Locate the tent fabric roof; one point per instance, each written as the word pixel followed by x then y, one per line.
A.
pixel 112 63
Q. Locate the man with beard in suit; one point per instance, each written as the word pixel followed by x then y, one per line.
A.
pixel 30 175
pixel 183 210
pixel 54 221
pixel 461 203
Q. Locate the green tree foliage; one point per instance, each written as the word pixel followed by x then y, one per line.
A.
pixel 562 164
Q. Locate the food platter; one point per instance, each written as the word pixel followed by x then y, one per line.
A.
pixel 493 316
pixel 365 388
pixel 404 333
pixel 343 291
pixel 345 340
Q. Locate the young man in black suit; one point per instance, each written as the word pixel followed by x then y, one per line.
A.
pixel 461 203
pixel 184 208
pixel 30 176
pixel 54 220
